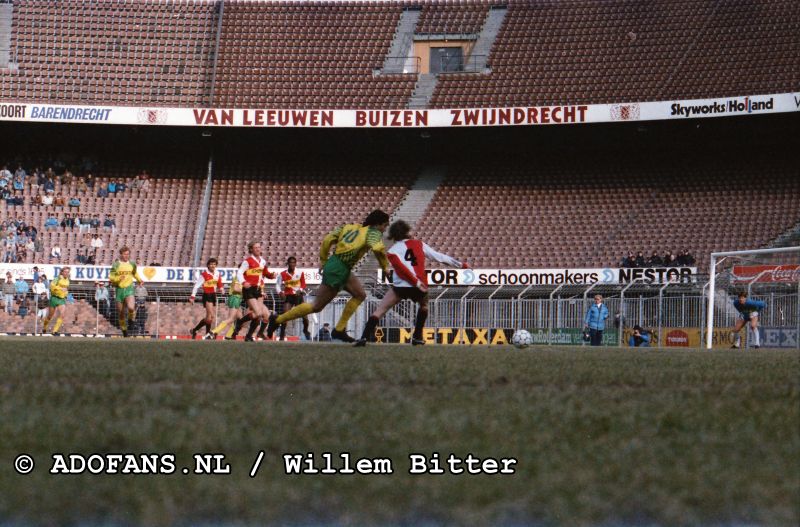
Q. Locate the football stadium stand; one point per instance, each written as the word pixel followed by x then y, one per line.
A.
pixel 308 55
pixel 584 51
pixel 586 214
pixel 325 54
pixel 295 206
pixel 125 53
pixel 279 54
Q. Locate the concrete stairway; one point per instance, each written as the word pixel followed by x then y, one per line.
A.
pixel 411 209
pixel 400 59
pixel 423 91
pixel 6 18
pixel 790 238
pixel 483 46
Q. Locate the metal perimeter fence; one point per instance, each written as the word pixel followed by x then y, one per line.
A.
pixel 674 314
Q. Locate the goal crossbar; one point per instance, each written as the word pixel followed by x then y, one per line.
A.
pixel 712 275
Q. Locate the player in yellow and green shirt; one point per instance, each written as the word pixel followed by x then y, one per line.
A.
pixel 123 274
pixel 234 309
pixel 59 289
pixel 352 242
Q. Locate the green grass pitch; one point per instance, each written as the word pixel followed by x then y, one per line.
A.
pixel 601 437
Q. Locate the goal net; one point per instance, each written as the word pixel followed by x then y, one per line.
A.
pixel 769 279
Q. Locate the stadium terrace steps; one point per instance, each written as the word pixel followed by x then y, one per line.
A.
pixel 402 45
pixel 303 55
pixel 300 205
pixel 553 215
pixel 587 52
pixel 423 91
pixel 790 238
pixel 6 20
pixel 487 37
pixel 411 209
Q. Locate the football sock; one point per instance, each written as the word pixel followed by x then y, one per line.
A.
pixel 46 323
pixel 756 338
pixel 369 329
pixel 305 325
pixel 123 324
pixel 59 321
pixel 422 316
pixel 131 315
pixel 240 323
pixel 221 326
pixel 230 331
pixel 738 339
pixel 199 325
pixel 262 328
pixel 349 308
pixel 253 326
pixel 296 312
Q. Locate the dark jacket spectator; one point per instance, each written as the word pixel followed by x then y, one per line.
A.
pixel 68 222
pixel 628 261
pixel 655 260
pixel 686 259
pixel 324 334
pixel 640 338
pixel 640 262
pixel 102 192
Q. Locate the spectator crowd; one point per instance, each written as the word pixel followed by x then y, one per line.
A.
pixel 669 259
pixel 60 194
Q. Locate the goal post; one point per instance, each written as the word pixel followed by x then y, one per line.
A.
pixel 779 266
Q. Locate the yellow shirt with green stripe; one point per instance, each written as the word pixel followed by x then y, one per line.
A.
pixel 235 288
pixel 123 274
pixel 352 242
pixel 59 287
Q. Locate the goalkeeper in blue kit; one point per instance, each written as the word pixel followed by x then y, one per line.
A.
pixel 748 310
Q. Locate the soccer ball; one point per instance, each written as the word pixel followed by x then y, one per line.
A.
pixel 522 339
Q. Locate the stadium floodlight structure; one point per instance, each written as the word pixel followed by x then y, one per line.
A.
pixel 752 257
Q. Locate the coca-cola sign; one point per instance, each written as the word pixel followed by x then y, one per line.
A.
pixel 767 273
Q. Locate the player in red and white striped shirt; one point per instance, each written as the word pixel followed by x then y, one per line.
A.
pixel 211 282
pixel 407 257
pixel 251 275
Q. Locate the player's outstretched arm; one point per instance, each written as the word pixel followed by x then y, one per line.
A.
pixel 442 258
